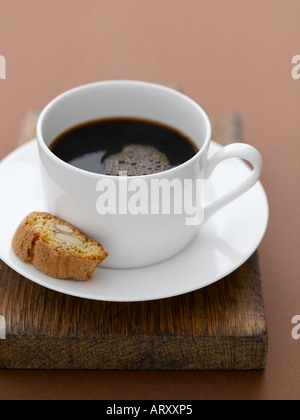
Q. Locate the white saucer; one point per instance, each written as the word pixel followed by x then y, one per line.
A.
pixel 223 244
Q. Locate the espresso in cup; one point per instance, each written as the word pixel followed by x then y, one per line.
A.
pixel 132 145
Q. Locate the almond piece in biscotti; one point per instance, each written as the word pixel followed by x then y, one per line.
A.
pixel 68 239
pixel 63 228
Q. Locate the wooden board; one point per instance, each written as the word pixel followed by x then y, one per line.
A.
pixel 221 327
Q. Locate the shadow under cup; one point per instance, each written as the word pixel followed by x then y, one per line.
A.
pixel 131 240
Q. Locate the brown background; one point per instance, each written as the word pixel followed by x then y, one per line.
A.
pixel 227 55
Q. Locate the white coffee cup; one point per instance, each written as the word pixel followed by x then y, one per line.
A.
pixel 131 240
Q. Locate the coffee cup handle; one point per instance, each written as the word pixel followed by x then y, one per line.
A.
pixel 236 150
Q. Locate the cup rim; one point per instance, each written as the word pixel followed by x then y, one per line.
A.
pixel 76 170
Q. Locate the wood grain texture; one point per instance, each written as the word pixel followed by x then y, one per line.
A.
pixel 221 327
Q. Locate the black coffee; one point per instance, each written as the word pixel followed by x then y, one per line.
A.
pixel 136 146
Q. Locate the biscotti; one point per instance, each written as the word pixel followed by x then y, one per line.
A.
pixel 57 248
